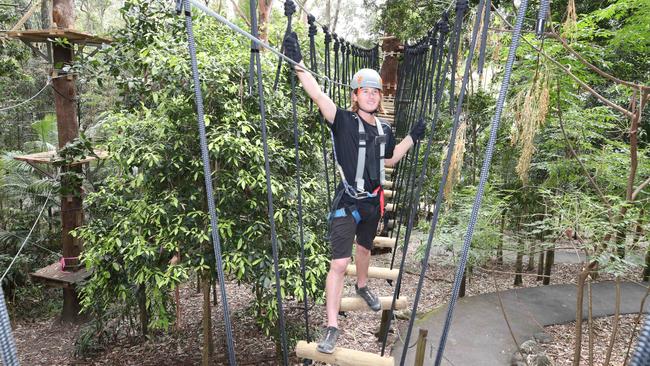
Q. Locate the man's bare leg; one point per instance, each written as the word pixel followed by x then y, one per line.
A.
pixel 362 260
pixel 334 289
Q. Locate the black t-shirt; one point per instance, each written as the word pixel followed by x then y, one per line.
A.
pixel 346 138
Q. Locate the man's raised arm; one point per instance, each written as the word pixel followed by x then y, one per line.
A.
pixel 309 83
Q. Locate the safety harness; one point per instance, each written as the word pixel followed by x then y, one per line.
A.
pixel 358 191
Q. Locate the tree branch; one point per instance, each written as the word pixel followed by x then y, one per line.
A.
pixel 594 68
pixel 240 12
pixel 575 155
pixel 568 72
pixel 640 188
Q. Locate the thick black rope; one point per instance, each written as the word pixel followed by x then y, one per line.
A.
pixel 207 173
pixel 440 82
pixel 485 169
pixel 337 90
pixel 440 79
pixel 313 30
pixel 267 169
pixel 330 92
pixel 461 8
pixel 289 10
pixel 484 34
pixel 443 181
pixel 641 355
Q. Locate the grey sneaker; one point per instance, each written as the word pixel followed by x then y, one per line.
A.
pixel 328 343
pixel 371 299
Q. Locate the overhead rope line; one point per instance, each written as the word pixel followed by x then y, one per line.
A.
pixel 258 41
pixel 484 176
pixel 48 83
pixel 207 173
pixel 29 234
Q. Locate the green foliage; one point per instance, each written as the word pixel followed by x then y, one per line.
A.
pixel 452 226
pixel 153 204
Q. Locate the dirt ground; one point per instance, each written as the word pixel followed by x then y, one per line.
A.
pixel 44 342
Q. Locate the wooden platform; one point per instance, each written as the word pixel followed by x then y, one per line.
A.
pixel 50 157
pixel 375 272
pixel 53 276
pixel 356 303
pixel 47 35
pixel 342 356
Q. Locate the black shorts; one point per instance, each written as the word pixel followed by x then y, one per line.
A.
pixel 344 229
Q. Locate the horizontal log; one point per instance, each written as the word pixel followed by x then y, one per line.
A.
pixel 389 193
pixel 342 356
pixel 389 207
pixel 388 183
pixel 383 242
pixel 356 303
pixel 374 272
pixel 390 170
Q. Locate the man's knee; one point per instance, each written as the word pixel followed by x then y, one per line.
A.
pixel 361 250
pixel 339 265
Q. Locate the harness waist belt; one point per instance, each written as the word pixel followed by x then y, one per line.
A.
pixel 341 212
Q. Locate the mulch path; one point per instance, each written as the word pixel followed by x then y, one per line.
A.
pixel 561 349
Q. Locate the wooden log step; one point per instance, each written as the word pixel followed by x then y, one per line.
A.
pixel 383 242
pixel 389 193
pixel 342 356
pixel 389 207
pixel 356 303
pixel 388 183
pixel 374 272
pixel 390 171
pixel 390 224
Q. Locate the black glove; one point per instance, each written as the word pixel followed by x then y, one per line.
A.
pixel 418 129
pixel 292 47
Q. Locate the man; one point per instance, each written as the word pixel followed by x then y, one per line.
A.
pixel 356 209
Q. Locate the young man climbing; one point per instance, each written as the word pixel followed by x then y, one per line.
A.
pixel 363 146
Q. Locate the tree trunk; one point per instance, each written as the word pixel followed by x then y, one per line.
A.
pixel 548 265
pixel 144 313
pixel 328 13
pixel 264 18
pixel 208 346
pixel 580 300
pixel 519 263
pixel 500 244
pixel 46 15
pixel 68 129
pixel 638 232
pixel 646 270
pixel 531 256
pixel 336 15
pixel 540 266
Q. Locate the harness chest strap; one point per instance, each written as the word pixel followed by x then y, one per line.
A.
pixel 361 155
